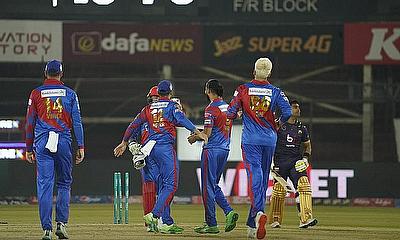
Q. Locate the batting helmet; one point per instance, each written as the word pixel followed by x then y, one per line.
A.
pixel 153 92
pixel 153 95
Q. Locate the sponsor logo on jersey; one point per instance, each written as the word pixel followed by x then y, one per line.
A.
pixel 289 138
pixel 260 91
pixel 207 122
pixel 53 93
pixel 159 105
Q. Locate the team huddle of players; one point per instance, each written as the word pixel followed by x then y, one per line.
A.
pixel 151 137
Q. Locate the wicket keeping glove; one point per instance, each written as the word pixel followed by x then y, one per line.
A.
pixel 138 157
pixel 139 161
pixel 301 165
pixel 134 148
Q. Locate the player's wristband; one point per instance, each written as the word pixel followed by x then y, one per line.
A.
pixel 306 155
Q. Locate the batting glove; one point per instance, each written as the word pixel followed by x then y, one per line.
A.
pixel 301 165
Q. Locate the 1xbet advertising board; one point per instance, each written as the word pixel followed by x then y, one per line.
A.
pixel 131 43
pixel 314 44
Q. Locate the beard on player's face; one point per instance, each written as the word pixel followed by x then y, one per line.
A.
pixel 208 98
pixel 296 113
pixel 206 91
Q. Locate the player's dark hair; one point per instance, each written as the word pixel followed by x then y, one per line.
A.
pixel 215 87
pixel 294 102
pixel 53 74
pixel 164 94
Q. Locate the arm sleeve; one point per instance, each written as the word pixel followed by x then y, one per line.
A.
pixel 30 122
pixel 135 133
pixel 235 104
pixel 284 106
pixel 135 125
pixel 77 122
pixel 182 120
pixel 208 118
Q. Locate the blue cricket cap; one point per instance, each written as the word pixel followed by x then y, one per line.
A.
pixel 164 86
pixel 53 67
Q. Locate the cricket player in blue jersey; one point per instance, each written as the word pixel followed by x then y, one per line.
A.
pixel 258 99
pixel 147 165
pixel 53 111
pixel 213 159
pixel 147 169
pixel 290 161
pixel 162 118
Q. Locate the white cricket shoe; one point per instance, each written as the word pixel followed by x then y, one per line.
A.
pixel 275 225
pixel 251 233
pixel 309 223
pixel 47 235
pixel 61 231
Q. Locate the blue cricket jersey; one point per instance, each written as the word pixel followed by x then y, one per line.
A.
pixel 215 118
pixel 53 107
pixel 162 117
pixel 258 101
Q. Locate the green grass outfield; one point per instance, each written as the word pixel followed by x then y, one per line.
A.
pixel 94 221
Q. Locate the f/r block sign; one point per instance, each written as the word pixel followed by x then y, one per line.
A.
pixel 108 2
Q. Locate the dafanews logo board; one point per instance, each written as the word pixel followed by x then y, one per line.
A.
pixel 30 41
pixel 321 44
pixel 119 43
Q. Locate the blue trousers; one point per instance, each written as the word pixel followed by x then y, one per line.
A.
pixel 213 162
pixel 257 161
pixel 167 164
pixel 151 173
pixel 48 165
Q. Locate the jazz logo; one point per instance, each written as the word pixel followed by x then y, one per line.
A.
pixel 108 2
